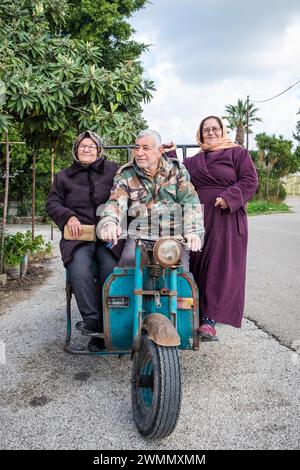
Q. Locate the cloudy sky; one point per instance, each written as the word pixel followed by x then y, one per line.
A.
pixel 205 54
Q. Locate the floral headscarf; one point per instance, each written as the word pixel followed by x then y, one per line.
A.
pixel 95 138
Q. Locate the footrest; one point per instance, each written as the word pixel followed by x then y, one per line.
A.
pixel 93 334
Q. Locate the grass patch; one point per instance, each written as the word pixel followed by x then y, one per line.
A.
pixel 266 207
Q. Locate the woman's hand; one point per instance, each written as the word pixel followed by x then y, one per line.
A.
pixel 221 202
pixel 74 227
pixel 169 146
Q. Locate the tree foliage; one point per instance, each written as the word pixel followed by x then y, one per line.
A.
pixel 66 66
pixel 275 155
pixel 274 159
pixel 297 133
pixel 104 23
pixel 237 119
pixel 54 82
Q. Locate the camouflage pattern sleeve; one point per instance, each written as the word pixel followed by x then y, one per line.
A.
pixel 115 210
pixel 191 206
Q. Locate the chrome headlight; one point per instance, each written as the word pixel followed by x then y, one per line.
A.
pixel 167 251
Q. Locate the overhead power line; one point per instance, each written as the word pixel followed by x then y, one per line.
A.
pixel 262 101
pixel 279 94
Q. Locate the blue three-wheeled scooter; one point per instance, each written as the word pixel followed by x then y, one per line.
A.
pixel 150 311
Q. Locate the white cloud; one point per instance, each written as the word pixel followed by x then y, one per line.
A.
pixel 261 68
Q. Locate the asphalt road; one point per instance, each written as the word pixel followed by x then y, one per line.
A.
pixel 273 287
pixel 240 393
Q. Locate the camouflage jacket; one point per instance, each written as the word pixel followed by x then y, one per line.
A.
pixel 150 207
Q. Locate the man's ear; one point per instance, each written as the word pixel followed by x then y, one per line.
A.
pixel 161 149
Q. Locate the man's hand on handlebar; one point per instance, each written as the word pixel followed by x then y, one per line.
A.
pixel 110 233
pixel 193 242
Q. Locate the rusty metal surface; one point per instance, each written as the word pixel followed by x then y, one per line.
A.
pixel 161 292
pixel 185 303
pixel 107 334
pixel 196 312
pixel 161 330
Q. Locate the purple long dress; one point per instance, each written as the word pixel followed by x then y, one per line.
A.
pixel 220 268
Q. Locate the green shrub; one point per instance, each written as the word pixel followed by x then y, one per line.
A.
pixel 18 245
pixel 270 190
pixel 14 248
pixel 265 207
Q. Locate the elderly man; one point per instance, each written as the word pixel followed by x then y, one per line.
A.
pixel 156 195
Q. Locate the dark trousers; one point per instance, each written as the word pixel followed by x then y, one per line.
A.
pixel 88 293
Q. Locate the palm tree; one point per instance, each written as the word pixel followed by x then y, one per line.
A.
pixel 297 134
pixel 237 119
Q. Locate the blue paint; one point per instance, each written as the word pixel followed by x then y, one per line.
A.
pixel 127 305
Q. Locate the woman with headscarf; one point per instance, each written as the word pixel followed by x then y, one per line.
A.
pixel 76 193
pixel 225 179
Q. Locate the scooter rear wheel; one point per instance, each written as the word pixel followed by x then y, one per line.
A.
pixel 156 388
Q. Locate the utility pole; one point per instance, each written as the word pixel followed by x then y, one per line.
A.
pixel 52 179
pixel 5 203
pixel 6 191
pixel 247 130
pixel 33 193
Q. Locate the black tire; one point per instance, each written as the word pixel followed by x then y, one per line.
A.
pixel 155 389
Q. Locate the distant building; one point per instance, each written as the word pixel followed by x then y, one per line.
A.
pixel 292 184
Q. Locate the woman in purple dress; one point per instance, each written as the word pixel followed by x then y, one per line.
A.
pixel 225 179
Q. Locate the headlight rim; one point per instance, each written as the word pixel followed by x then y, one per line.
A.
pixel 158 244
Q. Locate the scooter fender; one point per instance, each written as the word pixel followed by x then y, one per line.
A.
pixel 161 330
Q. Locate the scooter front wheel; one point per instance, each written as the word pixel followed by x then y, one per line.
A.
pixel 156 388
